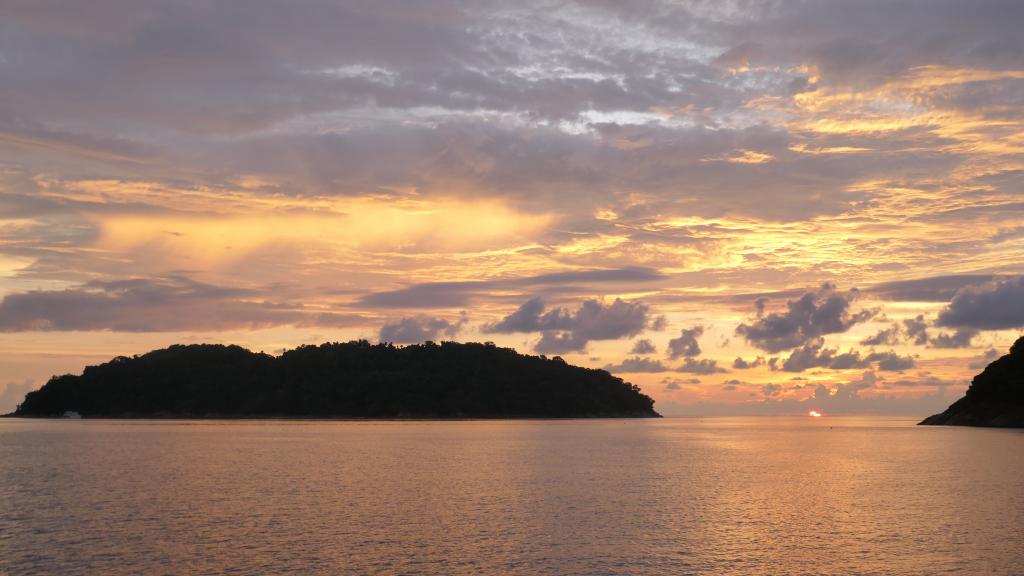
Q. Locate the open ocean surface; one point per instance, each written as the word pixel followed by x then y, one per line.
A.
pixel 671 496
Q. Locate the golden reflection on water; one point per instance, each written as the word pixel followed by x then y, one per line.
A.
pixel 823 495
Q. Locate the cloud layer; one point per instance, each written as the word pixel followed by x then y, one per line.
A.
pixel 645 185
pixel 155 305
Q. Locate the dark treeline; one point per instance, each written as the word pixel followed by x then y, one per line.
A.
pixel 995 397
pixel 355 379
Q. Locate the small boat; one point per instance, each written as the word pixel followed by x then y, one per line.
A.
pixel 71 414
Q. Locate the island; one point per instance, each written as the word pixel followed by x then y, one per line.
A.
pixel 338 380
pixel 995 397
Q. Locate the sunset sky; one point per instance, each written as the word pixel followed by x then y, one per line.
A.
pixel 742 207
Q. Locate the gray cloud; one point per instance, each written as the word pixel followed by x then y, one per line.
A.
pixel 686 344
pixel 933 289
pixel 889 335
pixel 891 362
pixel 1005 234
pixel 155 305
pixel 659 322
pixel 566 331
pixel 274 62
pixel 351 98
pixel 814 314
pixel 643 346
pixel 423 89
pixel 677 383
pixel 454 294
pixel 815 355
pixel 741 364
pixel 731 385
pixel 690 366
pixel 994 305
pixel 637 364
pixel 230 68
pixel 543 166
pixel 917 329
pixel 531 317
pixel 430 295
pixel 700 366
pixel 420 329
pixel 961 338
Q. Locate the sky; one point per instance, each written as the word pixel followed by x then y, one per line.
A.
pixel 742 207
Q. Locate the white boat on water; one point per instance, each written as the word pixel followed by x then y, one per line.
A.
pixel 71 414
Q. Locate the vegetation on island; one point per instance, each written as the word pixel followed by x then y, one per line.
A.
pixel 995 397
pixel 352 380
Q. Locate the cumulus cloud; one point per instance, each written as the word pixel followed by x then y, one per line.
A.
pixel 701 366
pixel 889 335
pixel 672 384
pixel 420 329
pixel 659 322
pixel 740 364
pixel 637 364
pixel 530 317
pixel 824 311
pixel 815 355
pixel 686 344
pixel 991 306
pixel 563 330
pixel 643 346
pixel 891 362
pixel 155 305
pixel 915 331
pixel 732 385
pixel 961 338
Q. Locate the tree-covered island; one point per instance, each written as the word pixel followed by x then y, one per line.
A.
pixel 338 380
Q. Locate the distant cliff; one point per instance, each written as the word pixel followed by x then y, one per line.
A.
pixel 355 380
pixel 995 398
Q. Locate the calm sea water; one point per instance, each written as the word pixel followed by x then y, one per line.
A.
pixel 671 496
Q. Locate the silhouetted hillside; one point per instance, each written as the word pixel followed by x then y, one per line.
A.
pixel 995 398
pixel 356 379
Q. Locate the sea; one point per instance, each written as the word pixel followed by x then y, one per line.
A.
pixel 770 495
